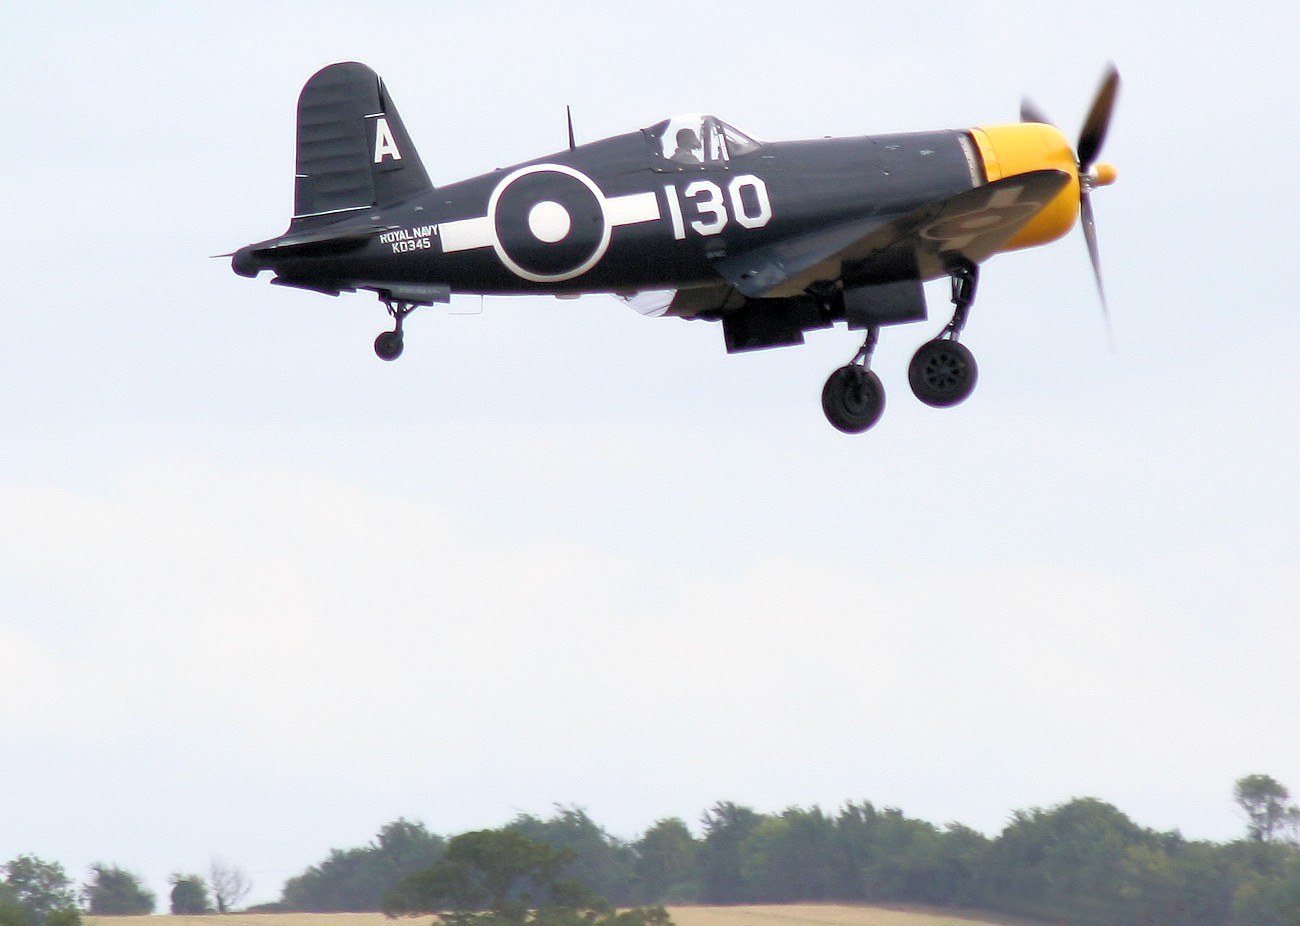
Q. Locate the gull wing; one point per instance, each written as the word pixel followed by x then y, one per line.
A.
pixel 973 224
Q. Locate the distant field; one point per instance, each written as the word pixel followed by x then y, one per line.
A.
pixel 803 915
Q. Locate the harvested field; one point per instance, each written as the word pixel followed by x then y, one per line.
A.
pixel 830 915
pixel 796 915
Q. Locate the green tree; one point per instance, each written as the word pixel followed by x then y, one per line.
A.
pixel 600 861
pixel 113 891
pixel 67 916
pixel 855 849
pixel 1173 882
pixel 485 876
pixel 42 890
pixel 1264 801
pixel 1269 900
pixel 1198 886
pixel 11 911
pixel 1072 860
pixel 666 869
pixel 189 895
pixel 503 878
pixel 1204 880
pixel 790 857
pixel 357 880
pixel 726 827
pixel 904 865
pixel 883 855
pixel 957 865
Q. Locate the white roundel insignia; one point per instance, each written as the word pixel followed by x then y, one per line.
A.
pixel 548 222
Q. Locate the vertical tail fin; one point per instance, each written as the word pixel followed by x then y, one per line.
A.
pixel 353 150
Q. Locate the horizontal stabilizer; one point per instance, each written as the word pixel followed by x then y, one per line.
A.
pixel 325 238
pixel 249 261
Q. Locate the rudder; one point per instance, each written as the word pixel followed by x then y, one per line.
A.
pixel 353 151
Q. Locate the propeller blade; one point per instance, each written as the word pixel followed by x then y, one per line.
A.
pixel 1029 112
pixel 1094 252
pixel 1093 134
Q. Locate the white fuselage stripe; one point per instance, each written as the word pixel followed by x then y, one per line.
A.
pixel 467 234
pixel 632 209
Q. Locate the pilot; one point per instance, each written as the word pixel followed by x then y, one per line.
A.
pixel 688 146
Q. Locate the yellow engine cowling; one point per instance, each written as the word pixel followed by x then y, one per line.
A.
pixel 1007 150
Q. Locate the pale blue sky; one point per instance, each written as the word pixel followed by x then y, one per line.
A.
pixel 261 593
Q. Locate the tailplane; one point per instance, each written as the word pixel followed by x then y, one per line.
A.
pixel 353 150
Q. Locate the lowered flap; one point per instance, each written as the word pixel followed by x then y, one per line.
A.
pixel 705 302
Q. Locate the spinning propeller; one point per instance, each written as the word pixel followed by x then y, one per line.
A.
pixel 1091 174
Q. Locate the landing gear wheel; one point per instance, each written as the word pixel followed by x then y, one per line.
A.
pixel 942 373
pixel 853 399
pixel 389 345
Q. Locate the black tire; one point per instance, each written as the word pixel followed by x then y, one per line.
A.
pixel 942 373
pixel 853 399
pixel 388 346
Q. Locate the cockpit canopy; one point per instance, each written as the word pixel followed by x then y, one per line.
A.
pixel 698 138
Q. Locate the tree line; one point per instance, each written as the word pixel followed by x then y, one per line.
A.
pixel 1083 862
pixel 34 892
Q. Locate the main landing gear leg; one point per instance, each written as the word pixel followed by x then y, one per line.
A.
pixel 943 371
pixel 388 346
pixel 853 398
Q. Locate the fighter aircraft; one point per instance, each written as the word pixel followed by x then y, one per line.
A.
pixel 693 218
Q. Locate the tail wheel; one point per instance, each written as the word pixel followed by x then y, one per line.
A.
pixel 942 373
pixel 388 346
pixel 853 399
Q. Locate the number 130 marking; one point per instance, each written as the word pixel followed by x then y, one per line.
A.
pixel 745 201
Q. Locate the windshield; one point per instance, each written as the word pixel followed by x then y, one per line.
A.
pixel 698 138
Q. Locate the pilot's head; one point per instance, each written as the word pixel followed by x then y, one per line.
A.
pixel 687 140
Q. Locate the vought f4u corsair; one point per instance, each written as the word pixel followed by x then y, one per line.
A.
pixel 693 218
